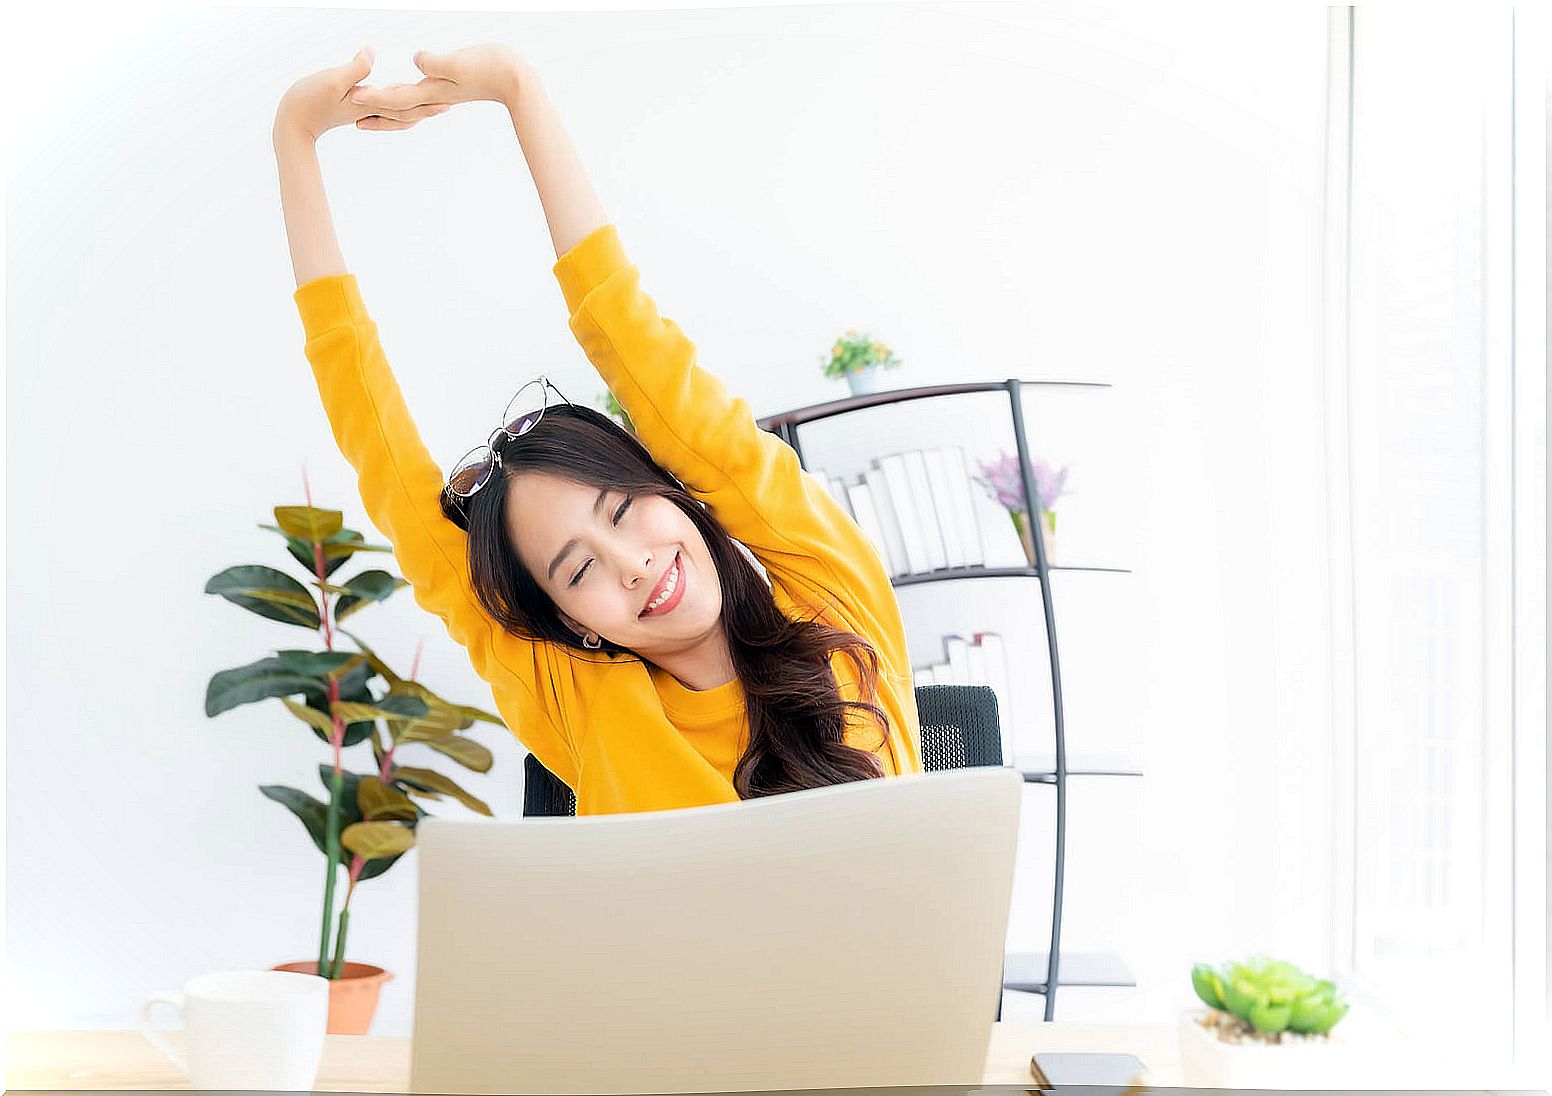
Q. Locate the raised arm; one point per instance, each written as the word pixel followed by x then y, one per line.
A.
pixel 398 479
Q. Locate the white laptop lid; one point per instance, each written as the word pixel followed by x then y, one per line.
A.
pixel 848 936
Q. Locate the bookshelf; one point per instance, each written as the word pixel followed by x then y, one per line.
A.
pixel 1040 973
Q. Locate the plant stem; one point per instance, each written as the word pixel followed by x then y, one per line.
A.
pixel 331 844
pixel 356 864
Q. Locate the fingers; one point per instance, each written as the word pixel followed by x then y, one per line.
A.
pixel 401 96
pixel 359 67
pixel 402 119
pixel 432 64
pixel 372 121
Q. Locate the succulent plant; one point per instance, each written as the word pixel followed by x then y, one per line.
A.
pixel 1271 996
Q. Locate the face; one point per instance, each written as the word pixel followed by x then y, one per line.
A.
pixel 602 556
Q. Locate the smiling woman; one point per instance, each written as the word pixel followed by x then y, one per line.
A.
pixel 594 575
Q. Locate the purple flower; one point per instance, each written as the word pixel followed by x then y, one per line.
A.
pixel 1002 481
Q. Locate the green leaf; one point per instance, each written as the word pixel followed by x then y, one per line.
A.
pixel 350 813
pixel 314 663
pixel 377 800
pixel 389 707
pixel 267 592
pixel 1208 985
pixel 1241 996
pixel 437 782
pixel 367 587
pixel 378 840
pixel 1269 1018
pixel 259 680
pixel 302 550
pixel 467 752
pixel 472 713
pixel 311 716
pixel 313 814
pixel 308 523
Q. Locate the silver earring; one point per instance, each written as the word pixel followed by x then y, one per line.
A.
pixel 594 645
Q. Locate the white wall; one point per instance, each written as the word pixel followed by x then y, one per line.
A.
pixel 1070 191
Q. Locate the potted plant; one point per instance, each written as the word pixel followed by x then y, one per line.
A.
pixel 369 819
pixel 1002 481
pixel 1267 1025
pixel 858 358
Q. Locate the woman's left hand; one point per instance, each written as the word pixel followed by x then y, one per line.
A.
pixel 489 72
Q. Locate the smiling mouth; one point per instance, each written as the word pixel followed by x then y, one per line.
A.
pixel 666 598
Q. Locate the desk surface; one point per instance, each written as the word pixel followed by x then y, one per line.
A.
pixel 107 1059
pixel 83 1060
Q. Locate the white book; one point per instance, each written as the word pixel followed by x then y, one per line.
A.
pixel 908 518
pixel 888 521
pixel 921 491
pixel 956 648
pixel 975 656
pixel 938 479
pixel 837 488
pixel 964 504
pixel 867 520
pixel 936 674
pixel 996 662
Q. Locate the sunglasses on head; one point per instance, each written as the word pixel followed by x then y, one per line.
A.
pixel 475 468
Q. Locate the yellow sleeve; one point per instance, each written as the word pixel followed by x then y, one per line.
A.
pixel 748 477
pixel 400 485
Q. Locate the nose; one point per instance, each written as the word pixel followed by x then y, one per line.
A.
pixel 635 565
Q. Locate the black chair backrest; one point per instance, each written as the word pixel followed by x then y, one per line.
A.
pixel 959 729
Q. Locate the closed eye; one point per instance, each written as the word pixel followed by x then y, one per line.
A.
pixel 618 514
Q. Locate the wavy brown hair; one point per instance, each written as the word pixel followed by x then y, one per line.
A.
pixel 796 713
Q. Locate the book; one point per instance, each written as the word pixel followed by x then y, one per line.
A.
pixel 964 504
pixel 888 520
pixel 958 659
pixel 908 517
pixel 939 481
pixel 921 492
pixel 837 488
pixel 861 501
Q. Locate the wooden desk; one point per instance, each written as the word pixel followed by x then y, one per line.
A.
pixel 87 1060
pixel 373 1063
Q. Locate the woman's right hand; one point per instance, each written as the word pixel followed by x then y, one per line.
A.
pixel 318 103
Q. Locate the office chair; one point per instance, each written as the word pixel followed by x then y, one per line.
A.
pixel 959 729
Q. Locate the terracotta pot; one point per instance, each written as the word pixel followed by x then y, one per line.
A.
pixel 352 996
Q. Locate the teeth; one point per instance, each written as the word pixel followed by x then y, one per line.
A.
pixel 668 591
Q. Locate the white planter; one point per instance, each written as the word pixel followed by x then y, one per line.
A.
pixel 863 381
pixel 1208 1062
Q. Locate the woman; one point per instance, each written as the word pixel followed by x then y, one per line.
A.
pixel 594 578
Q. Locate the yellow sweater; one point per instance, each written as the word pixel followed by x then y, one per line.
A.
pixel 623 734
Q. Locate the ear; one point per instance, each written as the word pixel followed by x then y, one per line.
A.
pixel 575 626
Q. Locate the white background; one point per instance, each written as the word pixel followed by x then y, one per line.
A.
pixel 1067 192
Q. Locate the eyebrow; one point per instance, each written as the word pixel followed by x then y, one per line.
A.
pixel 565 549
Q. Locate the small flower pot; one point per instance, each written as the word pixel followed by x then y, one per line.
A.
pixel 1299 1061
pixel 352 996
pixel 862 381
pixel 1025 533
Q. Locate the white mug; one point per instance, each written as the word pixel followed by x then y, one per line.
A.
pixel 247 1029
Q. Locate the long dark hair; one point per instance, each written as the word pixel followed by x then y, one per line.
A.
pixel 796 713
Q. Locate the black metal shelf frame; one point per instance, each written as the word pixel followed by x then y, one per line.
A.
pixel 785 426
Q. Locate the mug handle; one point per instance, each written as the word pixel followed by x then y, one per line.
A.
pixel 175 1000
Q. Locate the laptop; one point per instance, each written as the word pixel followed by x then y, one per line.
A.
pixel 847 936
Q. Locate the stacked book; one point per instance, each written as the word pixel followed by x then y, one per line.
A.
pixel 923 512
pixel 982 662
